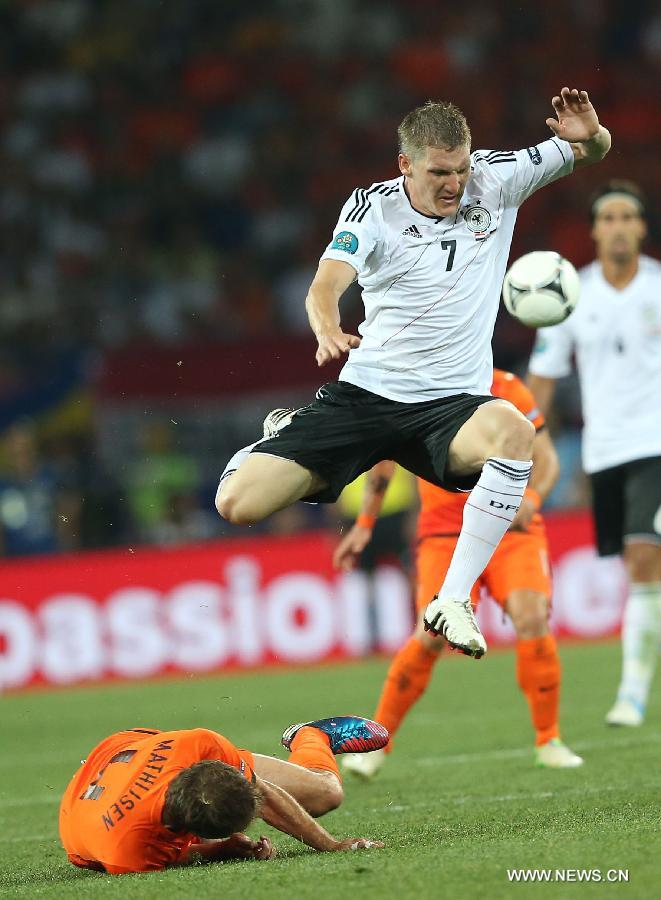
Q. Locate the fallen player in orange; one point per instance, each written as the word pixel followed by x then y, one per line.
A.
pixel 517 577
pixel 145 800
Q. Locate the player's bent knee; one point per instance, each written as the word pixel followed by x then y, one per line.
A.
pixel 515 439
pixel 643 561
pixel 495 429
pixel 236 509
pixel 529 615
pixel 532 626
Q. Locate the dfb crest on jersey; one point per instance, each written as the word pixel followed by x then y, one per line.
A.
pixel 477 219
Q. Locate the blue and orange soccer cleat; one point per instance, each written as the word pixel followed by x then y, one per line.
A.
pixel 348 734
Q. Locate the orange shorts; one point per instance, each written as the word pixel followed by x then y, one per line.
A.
pixel 520 563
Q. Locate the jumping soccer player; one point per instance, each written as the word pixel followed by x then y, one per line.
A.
pixel 517 577
pixel 615 334
pixel 429 249
pixel 146 800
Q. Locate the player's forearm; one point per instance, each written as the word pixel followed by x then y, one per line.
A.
pixel 323 300
pixel 543 390
pixel 281 811
pixel 209 851
pixel 376 485
pixel 322 305
pixel 594 149
pixel 545 467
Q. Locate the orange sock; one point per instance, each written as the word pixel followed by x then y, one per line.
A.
pixel 406 681
pixel 538 674
pixel 311 750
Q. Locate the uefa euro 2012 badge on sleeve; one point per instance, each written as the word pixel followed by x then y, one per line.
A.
pixel 346 241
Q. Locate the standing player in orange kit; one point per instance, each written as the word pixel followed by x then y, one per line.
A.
pixel 517 577
pixel 145 800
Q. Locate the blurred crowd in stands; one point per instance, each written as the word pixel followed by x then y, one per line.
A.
pixel 170 172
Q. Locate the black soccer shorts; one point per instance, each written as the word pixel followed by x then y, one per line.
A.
pixel 346 430
pixel 626 503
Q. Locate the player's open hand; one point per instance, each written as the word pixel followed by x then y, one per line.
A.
pixel 333 344
pixel 348 551
pixel 576 120
pixel 359 844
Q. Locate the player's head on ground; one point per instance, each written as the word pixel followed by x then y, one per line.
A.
pixel 434 157
pixel 211 800
pixel 617 213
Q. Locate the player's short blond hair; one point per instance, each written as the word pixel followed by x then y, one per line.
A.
pixel 436 124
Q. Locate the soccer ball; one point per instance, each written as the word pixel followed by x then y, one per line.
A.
pixel 541 288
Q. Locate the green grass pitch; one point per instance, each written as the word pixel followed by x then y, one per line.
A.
pixel 458 803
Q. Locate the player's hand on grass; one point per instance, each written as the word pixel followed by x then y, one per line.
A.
pixel 264 849
pixel 524 515
pixel 358 844
pixel 240 846
pixel 348 551
pixel 333 344
pixel 576 120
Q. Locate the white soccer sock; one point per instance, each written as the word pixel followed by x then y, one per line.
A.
pixel 641 636
pixel 239 457
pixel 488 513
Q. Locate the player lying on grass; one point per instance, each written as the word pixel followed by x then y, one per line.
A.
pixel 517 576
pixel 145 800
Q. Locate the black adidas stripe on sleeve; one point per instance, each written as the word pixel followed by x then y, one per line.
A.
pixel 357 213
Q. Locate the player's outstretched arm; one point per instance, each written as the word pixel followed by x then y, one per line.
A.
pixel 353 543
pixel 577 122
pixel 280 810
pixel 323 308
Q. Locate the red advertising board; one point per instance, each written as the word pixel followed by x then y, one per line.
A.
pixel 245 603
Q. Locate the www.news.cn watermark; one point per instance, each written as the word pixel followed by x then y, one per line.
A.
pixel 618 876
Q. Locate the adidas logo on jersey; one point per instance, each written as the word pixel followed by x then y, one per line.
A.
pixel 411 231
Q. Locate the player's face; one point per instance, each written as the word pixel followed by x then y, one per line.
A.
pixel 437 179
pixel 618 230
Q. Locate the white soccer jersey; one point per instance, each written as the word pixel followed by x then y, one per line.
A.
pixel 616 336
pixel 431 285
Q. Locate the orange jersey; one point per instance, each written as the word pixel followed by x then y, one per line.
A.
pixel 441 511
pixel 110 815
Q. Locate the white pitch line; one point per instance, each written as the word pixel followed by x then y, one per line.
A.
pixel 21 760
pixel 30 837
pixel 518 752
pixel 40 800
pixel 480 799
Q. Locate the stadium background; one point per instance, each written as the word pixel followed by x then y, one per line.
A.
pixel 170 174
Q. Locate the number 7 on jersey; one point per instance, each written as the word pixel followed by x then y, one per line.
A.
pixel 451 246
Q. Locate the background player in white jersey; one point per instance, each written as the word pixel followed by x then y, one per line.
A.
pixel 615 334
pixel 429 249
